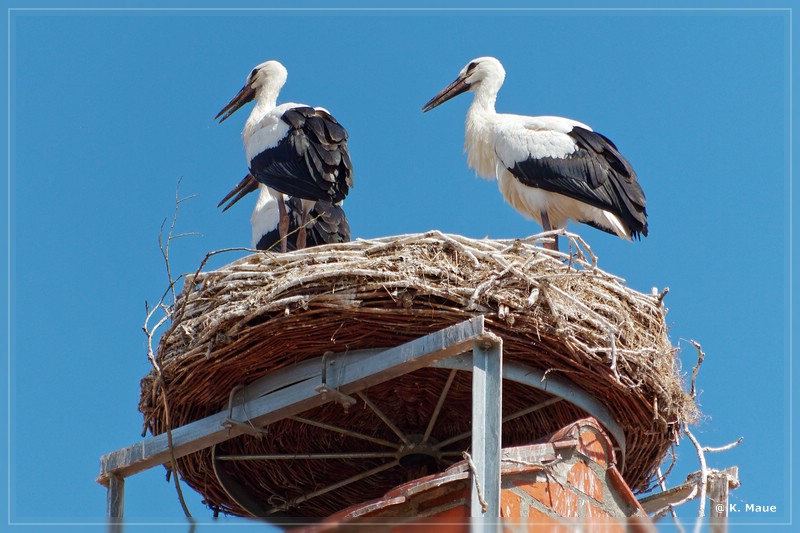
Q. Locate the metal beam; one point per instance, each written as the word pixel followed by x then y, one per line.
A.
pixel 348 375
pixel 115 499
pixel 308 456
pixel 556 386
pixel 487 402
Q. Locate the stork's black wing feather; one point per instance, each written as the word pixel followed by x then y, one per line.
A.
pixel 327 224
pixel 311 162
pixel 272 241
pixel 595 174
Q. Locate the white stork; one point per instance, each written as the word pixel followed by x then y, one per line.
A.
pixel 327 222
pixel 550 169
pixel 292 149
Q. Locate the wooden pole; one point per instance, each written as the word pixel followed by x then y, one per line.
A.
pixel 718 498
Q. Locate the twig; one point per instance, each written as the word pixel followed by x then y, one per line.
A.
pixel 701 512
pixel 700 357
pixel 613 345
pixel 150 353
pixel 661 296
pixel 710 449
pixel 170 236
pixel 177 319
pixel 172 458
pixel 164 247
pixel 494 277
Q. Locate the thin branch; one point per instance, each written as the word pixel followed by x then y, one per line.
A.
pixel 700 357
pixel 711 449
pixel 171 235
pixel 150 331
pixel 185 198
pixel 661 478
pixel 172 458
pixel 661 296
pixel 187 234
pixel 701 512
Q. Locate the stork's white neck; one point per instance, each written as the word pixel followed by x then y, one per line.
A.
pixel 266 100
pixel 260 110
pixel 484 97
pixel 479 136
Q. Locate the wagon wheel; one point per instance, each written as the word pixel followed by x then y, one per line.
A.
pixel 387 448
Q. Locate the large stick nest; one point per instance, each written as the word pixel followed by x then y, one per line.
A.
pixel 555 311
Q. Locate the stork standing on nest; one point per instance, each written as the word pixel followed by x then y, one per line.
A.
pixel 292 149
pixel 550 169
pixel 327 223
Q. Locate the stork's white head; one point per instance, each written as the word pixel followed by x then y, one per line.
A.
pixel 263 83
pixel 269 75
pixel 483 75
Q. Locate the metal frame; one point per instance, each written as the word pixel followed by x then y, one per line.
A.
pixel 487 407
pixel 287 393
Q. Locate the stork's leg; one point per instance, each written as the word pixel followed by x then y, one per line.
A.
pixel 547 227
pixel 283 223
pixel 301 231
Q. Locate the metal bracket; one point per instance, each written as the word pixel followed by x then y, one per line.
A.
pixel 247 427
pixel 324 390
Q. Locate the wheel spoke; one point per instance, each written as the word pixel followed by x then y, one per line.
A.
pixel 512 416
pixel 439 404
pixel 352 479
pixel 383 417
pixel 343 431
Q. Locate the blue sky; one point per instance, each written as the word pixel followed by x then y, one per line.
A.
pixel 109 109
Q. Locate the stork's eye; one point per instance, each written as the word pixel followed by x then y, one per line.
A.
pixel 471 66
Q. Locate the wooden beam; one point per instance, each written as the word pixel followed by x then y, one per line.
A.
pixel 680 494
pixel 718 500
pixel 345 374
pixel 673 496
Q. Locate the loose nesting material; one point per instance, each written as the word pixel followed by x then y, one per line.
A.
pixel 555 311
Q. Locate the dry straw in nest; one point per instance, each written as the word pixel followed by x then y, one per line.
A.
pixel 555 311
